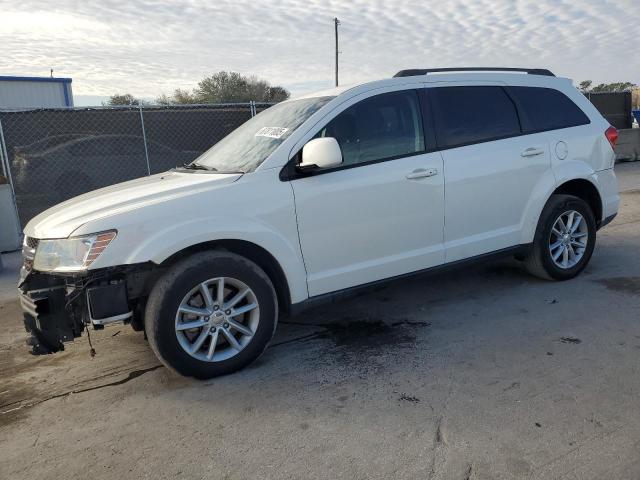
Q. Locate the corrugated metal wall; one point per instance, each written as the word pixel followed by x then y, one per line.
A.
pixel 25 92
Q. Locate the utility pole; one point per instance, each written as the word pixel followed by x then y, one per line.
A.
pixel 336 22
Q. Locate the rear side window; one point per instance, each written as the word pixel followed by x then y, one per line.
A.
pixel 466 115
pixel 546 109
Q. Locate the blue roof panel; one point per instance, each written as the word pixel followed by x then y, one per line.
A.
pixel 35 79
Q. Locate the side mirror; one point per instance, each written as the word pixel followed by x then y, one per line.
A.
pixel 321 153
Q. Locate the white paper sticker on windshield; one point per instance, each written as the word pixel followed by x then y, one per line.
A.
pixel 271 132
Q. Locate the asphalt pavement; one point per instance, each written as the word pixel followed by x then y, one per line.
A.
pixel 481 373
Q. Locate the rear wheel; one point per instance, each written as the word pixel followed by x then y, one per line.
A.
pixel 211 314
pixel 564 239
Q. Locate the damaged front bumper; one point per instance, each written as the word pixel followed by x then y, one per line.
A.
pixel 58 307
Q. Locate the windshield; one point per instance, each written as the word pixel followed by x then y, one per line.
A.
pixel 244 149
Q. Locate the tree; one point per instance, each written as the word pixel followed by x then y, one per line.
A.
pixel 228 87
pixel 164 100
pixel 122 99
pixel 277 94
pixel 614 87
pixel 585 86
pixel 182 96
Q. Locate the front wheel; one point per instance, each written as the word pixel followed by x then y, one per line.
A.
pixel 564 239
pixel 211 314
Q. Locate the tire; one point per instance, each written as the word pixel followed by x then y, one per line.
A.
pixel 163 319
pixel 540 261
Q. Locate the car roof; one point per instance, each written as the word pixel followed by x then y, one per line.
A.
pixel 515 79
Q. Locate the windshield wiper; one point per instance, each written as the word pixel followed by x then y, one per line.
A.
pixel 197 166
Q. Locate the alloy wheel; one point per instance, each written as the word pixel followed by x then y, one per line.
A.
pixel 568 239
pixel 217 319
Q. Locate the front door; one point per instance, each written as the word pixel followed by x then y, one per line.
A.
pixel 381 213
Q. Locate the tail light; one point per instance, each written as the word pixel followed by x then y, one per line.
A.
pixel 612 136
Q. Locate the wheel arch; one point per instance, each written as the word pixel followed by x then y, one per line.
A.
pixel 571 179
pixel 257 254
pixel 585 190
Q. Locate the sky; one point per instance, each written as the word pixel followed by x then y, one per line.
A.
pixel 151 47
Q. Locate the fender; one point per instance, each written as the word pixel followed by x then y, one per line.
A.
pixel 176 237
pixel 259 212
pixel 555 177
pixel 168 237
pixel 577 170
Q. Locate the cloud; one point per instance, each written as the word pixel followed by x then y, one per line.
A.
pixel 148 47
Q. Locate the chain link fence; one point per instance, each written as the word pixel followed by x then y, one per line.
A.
pixel 51 155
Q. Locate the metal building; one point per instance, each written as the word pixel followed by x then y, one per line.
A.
pixel 18 93
pixel 35 92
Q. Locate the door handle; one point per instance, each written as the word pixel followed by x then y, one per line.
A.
pixel 532 152
pixel 422 173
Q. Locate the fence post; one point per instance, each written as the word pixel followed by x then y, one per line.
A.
pixel 144 137
pixel 6 168
pixel 3 155
pixel 4 159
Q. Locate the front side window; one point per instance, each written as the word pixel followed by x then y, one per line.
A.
pixel 546 109
pixel 385 126
pixel 466 115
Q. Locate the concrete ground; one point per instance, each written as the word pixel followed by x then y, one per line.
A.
pixel 484 373
pixel 8 275
pixel 628 175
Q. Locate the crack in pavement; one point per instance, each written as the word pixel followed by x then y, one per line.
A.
pixel 131 376
pixel 297 339
pixel 593 439
pixel 439 450
pixel 440 436
pixel 468 473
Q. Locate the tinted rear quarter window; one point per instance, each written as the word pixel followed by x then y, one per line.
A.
pixel 544 109
pixel 466 115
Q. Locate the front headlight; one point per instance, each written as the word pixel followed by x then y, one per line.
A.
pixel 71 254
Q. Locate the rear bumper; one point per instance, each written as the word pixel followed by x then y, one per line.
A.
pixel 607 184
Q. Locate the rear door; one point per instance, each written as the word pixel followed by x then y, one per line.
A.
pixel 490 167
pixel 381 213
pixel 551 111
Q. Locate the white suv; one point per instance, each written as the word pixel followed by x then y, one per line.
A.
pixel 322 194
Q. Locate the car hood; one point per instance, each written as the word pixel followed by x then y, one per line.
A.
pixel 63 219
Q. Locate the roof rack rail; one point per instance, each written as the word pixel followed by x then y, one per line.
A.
pixel 425 71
